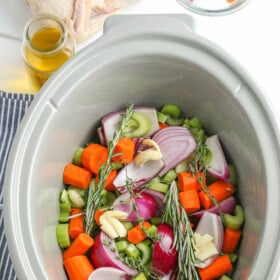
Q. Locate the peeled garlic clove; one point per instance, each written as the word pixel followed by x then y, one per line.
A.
pixel 118 227
pixel 109 230
pixel 117 214
pixel 151 143
pixel 146 156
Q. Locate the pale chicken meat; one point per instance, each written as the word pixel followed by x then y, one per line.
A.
pixel 82 17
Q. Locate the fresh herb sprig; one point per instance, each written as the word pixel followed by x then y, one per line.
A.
pixel 94 196
pixel 183 234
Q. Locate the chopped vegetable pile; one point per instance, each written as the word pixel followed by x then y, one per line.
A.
pixel 153 199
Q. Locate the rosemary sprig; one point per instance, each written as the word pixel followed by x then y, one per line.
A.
pixel 94 196
pixel 183 234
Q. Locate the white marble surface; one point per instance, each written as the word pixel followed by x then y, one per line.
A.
pixel 250 35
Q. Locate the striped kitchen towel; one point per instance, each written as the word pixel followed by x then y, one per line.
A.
pixel 12 108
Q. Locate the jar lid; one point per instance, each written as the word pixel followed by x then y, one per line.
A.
pixel 213 7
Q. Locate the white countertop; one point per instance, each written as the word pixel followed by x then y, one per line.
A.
pixel 250 35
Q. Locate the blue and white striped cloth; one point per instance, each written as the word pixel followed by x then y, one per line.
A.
pixel 12 109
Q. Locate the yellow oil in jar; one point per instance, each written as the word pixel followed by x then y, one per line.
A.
pixel 45 54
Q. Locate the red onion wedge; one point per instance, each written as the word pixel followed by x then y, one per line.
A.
pixel 159 197
pixel 176 143
pixel 101 136
pixel 226 206
pixel 105 273
pixel 103 253
pixel 211 224
pixel 165 258
pixel 110 122
pixel 139 174
pixel 217 166
pixel 146 206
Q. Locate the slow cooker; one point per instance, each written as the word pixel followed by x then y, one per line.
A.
pixel 144 60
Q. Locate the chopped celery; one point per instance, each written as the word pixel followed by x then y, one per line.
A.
pixel 159 187
pixel 194 123
pixel 170 176
pixel 77 156
pixel 146 251
pixel 155 179
pixel 132 251
pixel 161 117
pixel 235 221
pixel 62 235
pixel 64 206
pixel 152 230
pixel 174 122
pixel 142 128
pixel 172 110
pixel 121 245
pixel 181 167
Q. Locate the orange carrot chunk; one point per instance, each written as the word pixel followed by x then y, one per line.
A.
pixel 136 235
pixel 220 266
pixel 231 239
pixel 98 213
pixel 220 190
pixel 76 175
pixel 162 125
pixel 190 200
pixel 187 181
pixel 125 147
pixel 76 224
pixel 93 156
pixel 79 246
pixel 108 185
pixel 78 268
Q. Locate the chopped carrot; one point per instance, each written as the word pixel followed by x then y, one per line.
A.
pixel 76 224
pixel 98 213
pixel 162 125
pixel 136 235
pixel 125 147
pixel 220 190
pixel 187 181
pixel 230 1
pixel 190 200
pixel 217 268
pixel 78 268
pixel 231 239
pixel 93 156
pixel 108 185
pixel 79 246
pixel 76 175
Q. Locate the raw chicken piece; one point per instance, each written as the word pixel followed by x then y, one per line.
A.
pixel 82 17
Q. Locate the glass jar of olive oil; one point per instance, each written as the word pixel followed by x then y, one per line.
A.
pixel 46 46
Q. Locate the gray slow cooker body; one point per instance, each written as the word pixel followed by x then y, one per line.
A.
pixel 145 60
